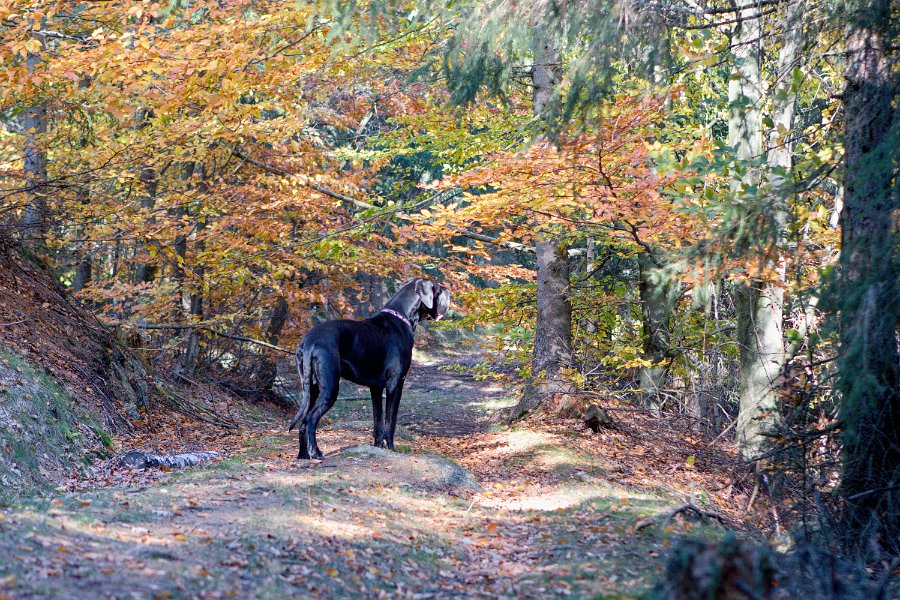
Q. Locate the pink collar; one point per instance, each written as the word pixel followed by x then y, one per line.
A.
pixel 394 313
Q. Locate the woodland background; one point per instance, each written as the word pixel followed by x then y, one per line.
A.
pixel 680 207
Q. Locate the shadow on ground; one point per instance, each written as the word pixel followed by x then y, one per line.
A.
pixel 516 512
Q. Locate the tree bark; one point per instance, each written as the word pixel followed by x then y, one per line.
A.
pixel 180 247
pixel 268 370
pixel 82 255
pixel 146 272
pixel 35 223
pixel 869 374
pixel 83 262
pixel 545 76
pixel 553 328
pixel 191 352
pixel 553 333
pixel 658 298
pixel 83 273
pixel 759 304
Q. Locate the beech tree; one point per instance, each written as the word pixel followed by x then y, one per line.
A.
pixel 210 173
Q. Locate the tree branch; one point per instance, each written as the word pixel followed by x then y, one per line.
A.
pixel 230 336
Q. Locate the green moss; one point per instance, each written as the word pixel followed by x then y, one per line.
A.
pixel 42 430
pixel 104 437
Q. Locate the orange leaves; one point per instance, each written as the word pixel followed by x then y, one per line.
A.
pixel 584 184
pixel 136 92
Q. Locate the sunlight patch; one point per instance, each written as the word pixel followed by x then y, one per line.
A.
pixel 560 498
pixel 523 440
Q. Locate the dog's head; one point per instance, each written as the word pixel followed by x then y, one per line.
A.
pixel 425 290
pixel 438 302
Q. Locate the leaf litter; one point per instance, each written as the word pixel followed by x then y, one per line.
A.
pixel 555 516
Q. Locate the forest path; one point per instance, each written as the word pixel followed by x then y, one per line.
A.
pixel 546 521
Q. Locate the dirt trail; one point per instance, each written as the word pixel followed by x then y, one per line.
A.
pixel 547 521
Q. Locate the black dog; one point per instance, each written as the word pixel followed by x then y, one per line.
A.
pixel 375 352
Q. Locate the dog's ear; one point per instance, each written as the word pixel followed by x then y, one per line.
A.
pixel 425 290
pixel 442 302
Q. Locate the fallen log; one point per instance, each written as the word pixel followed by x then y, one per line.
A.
pixel 142 460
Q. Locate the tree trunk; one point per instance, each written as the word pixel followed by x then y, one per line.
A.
pixel 83 260
pixel 378 295
pixel 83 272
pixel 552 336
pixel 145 272
pixel 553 329
pixel 34 222
pixel 658 299
pixel 869 375
pixel 590 257
pixel 759 312
pixel 759 304
pixel 268 370
pixel 180 247
pixel 83 263
pixel 191 353
pixel 545 76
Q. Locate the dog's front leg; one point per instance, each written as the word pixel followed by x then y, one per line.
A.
pixel 393 404
pixel 377 415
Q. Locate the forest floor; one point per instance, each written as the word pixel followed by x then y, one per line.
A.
pixel 548 509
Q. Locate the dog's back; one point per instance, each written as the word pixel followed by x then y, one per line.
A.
pixel 367 351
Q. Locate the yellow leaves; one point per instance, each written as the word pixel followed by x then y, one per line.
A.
pixel 637 363
pixel 32 45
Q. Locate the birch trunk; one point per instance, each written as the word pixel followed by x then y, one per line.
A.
pixel 759 303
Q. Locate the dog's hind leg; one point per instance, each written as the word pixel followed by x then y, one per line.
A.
pixel 391 406
pixel 308 394
pixel 328 374
pixel 302 435
pixel 377 415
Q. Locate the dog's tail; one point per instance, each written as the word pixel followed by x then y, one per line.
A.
pixel 305 370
